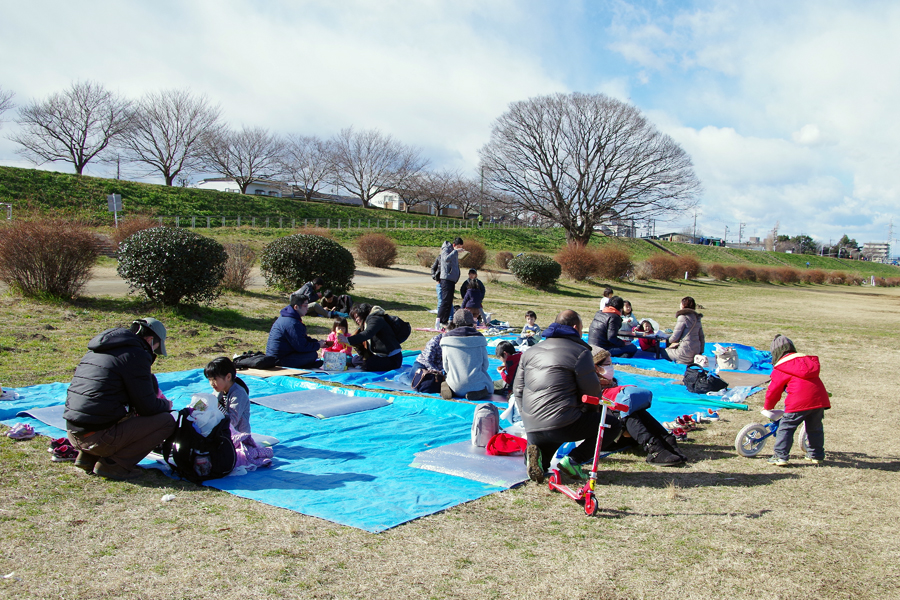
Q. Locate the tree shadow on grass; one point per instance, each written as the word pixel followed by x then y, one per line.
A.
pixel 208 315
pixel 611 513
pixel 390 305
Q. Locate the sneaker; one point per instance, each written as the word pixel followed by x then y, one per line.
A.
pixel 659 456
pixel 778 462
pixel 572 468
pixel 534 464
pixel 111 470
pixel 680 434
pixel 340 314
pixel 815 461
pixel 64 454
pixel 446 392
pixel 21 431
pixel 57 443
pixel 479 395
pixel 86 462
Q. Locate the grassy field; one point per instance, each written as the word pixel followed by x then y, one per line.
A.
pixel 722 527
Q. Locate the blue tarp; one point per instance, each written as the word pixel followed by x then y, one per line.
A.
pixel 352 469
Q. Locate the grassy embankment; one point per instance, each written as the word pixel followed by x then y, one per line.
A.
pixel 44 192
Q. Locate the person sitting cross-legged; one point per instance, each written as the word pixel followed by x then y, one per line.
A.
pixel 288 341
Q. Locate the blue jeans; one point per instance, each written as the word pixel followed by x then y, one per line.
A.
pixel 627 350
pixel 815 433
pixel 440 295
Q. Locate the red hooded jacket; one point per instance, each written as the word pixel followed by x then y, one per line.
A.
pixel 799 375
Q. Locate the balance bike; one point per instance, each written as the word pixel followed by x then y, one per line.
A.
pixel 752 438
pixel 585 494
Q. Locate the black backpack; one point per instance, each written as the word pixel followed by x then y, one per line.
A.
pixel 254 360
pixel 436 269
pixel 401 328
pixel 700 381
pixel 186 446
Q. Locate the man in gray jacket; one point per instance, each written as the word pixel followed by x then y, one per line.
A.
pixel 449 276
pixel 551 379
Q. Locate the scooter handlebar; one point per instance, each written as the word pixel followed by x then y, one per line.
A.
pixel 610 404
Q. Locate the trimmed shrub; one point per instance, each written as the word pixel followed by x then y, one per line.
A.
pixel 48 257
pixel 733 271
pixel 502 259
pixel 476 257
pixel 817 276
pixel 130 226
pixel 855 280
pixel 662 267
pixel 717 272
pixel 241 259
pixel 577 262
pixel 425 257
pixel 377 250
pixel 786 275
pixel 643 271
pixel 763 275
pixel 747 274
pixel 689 265
pixel 172 265
pixel 836 278
pixel 613 263
pixel 535 270
pixel 289 262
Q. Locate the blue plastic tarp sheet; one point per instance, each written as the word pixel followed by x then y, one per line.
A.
pixel 352 469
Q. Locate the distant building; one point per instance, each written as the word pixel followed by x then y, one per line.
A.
pixel 257 188
pixel 389 200
pixel 877 251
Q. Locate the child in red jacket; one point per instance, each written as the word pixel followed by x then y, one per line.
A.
pixel 806 401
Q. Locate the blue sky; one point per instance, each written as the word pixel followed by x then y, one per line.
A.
pixel 787 108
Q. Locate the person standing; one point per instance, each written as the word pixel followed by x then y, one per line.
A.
pixel 115 414
pixel 449 276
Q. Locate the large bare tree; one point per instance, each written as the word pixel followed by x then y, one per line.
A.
pixel 168 132
pixel 248 155
pixel 6 102
pixel 367 162
pixel 75 125
pixel 579 159
pixel 306 162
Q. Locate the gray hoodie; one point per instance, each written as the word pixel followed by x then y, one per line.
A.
pixel 449 262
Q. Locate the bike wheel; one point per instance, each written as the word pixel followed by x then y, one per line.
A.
pixel 630 276
pixel 751 440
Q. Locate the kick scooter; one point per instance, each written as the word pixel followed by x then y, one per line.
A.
pixel 585 494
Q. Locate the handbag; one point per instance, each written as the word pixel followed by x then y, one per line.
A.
pixel 427 381
pixel 700 381
pixel 726 357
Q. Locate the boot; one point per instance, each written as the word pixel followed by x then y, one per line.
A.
pixel 659 456
pixel 671 445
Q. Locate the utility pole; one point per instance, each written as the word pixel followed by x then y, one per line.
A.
pixel 741 232
pixel 725 238
pixel 695 226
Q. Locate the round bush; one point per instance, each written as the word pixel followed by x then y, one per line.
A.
pixel 377 250
pixel 51 256
pixel 613 263
pixel 663 267
pixel 535 270
pixel 763 274
pixel 289 262
pixel 425 257
pixel 578 262
pixel 817 276
pixel 476 256
pixel 171 265
pixel 689 265
pixel 717 272
pixel 502 259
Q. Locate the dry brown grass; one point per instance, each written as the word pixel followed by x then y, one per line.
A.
pixel 722 527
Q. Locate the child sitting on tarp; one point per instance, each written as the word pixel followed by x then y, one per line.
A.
pixel 648 344
pixel 531 333
pixel 234 402
pixel 660 445
pixel 338 328
pixel 234 398
pixel 510 356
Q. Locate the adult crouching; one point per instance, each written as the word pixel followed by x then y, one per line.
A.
pixel 376 345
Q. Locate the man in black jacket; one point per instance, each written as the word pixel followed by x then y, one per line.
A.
pixel 115 414
pixel 604 331
pixel 551 379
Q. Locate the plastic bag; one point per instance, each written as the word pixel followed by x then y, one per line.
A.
pixel 205 414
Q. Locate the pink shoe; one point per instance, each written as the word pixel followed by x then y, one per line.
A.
pixel 21 431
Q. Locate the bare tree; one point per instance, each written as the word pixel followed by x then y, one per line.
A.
pixel 74 125
pixel 5 102
pixel 168 132
pixel 578 159
pixel 368 162
pixel 248 155
pixel 468 197
pixel 414 193
pixel 306 163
